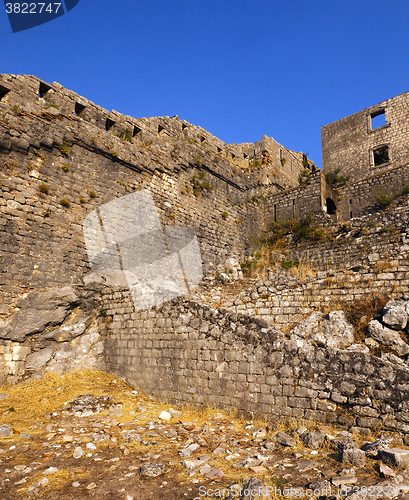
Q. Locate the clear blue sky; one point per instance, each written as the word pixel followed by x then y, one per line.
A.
pixel 239 69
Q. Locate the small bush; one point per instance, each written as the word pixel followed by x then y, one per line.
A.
pixel 334 180
pixel 125 134
pixel 52 106
pixel 29 167
pixel 65 203
pixel 93 140
pixel 171 216
pixel 92 194
pixel 114 153
pixel 200 184
pixel 82 201
pixel 385 199
pixel 224 215
pixel 198 161
pixel 256 163
pixel 304 177
pixel 15 110
pixel 65 167
pixel 64 148
pixel 44 188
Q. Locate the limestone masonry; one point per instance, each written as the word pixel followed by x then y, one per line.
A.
pixel 62 157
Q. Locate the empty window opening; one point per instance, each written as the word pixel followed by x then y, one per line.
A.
pixel 160 129
pixel 245 156
pixel 275 213
pixel 202 139
pixel 293 202
pixel 43 89
pixel 184 126
pixel 3 92
pixel 331 207
pixel 381 155
pixel 136 131
pixel 219 150
pixel 281 154
pixel 350 215
pixel 109 124
pixel 378 119
pixel 233 156
pixel 79 108
pixel 350 202
pixel 291 163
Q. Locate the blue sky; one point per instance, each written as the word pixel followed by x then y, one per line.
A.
pixel 239 69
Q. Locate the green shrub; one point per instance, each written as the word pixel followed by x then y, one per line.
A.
pixel 64 148
pixel 334 180
pixel 52 106
pixel 304 177
pixel 44 188
pixel 200 184
pixel 256 163
pixel 65 167
pixel 82 201
pixel 385 199
pixel 65 203
pixel 92 194
pixel 171 216
pixel 224 215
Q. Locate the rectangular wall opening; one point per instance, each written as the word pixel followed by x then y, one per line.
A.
pixel 79 108
pixel 381 155
pixel 136 131
pixel 43 89
pixel 3 92
pixel 160 129
pixel 109 124
pixel 378 119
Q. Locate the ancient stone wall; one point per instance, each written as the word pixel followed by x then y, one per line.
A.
pixel 358 197
pixel 62 156
pixel 298 202
pixel 187 352
pixel 349 143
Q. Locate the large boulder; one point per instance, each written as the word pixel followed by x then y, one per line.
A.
pixel 388 337
pixel 396 314
pixel 37 311
pixel 332 331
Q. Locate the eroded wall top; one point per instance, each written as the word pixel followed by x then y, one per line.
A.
pixel 368 142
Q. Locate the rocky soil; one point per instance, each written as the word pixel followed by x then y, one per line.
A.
pixel 111 442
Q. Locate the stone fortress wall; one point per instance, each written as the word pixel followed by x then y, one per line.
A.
pixel 188 352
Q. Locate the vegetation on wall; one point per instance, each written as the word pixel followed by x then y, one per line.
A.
pixel 335 180
pixel 200 184
pixel 304 177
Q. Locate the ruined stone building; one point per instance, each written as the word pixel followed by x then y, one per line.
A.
pixel 62 157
